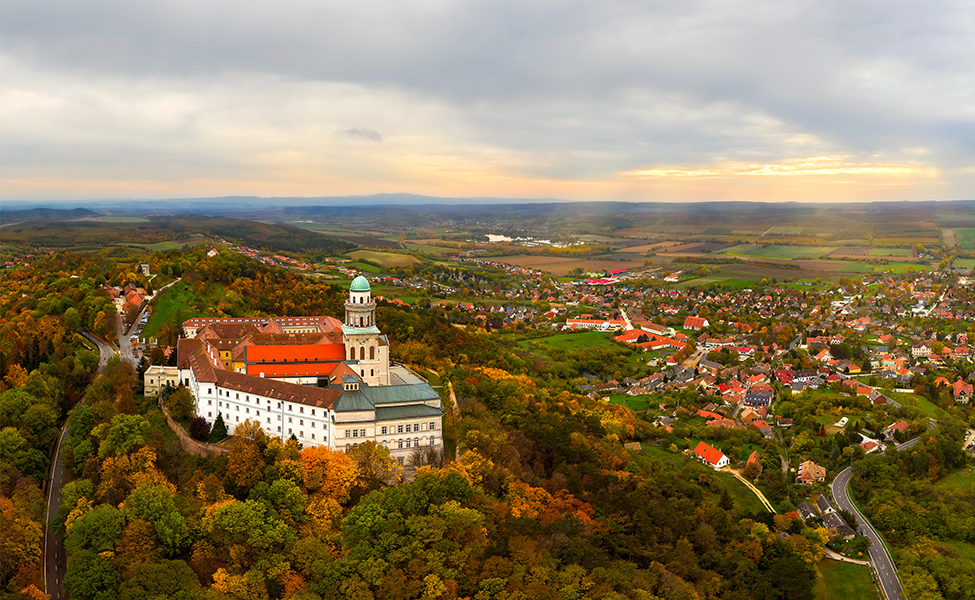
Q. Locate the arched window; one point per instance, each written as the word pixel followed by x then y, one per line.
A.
pixel 351 353
pixel 362 353
pixel 372 352
pixel 362 322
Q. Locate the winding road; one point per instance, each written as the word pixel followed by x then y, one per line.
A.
pixel 55 560
pixel 883 563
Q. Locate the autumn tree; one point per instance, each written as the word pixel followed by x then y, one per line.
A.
pixel 180 404
pixel 374 465
pixel 246 461
pixel 327 472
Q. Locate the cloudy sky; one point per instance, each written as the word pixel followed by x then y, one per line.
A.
pixel 628 100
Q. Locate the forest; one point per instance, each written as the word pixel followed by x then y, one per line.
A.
pixel 534 496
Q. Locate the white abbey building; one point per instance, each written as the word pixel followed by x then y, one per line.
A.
pixel 323 381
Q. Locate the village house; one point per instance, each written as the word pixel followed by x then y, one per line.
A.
pixel 711 456
pixel 898 427
pixel 810 473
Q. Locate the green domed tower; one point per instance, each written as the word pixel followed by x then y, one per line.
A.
pixel 366 349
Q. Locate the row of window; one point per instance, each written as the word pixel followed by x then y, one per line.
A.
pixel 291 408
pixel 362 353
pixel 390 430
pixel 400 444
pixel 410 428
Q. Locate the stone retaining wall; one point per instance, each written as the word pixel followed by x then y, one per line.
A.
pixel 189 445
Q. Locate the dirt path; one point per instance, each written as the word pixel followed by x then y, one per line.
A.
pixel 755 490
pixel 835 556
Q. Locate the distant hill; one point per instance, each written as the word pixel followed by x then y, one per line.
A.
pixel 45 214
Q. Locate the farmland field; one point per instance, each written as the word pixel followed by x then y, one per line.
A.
pixel 777 251
pixel 891 252
pixel 365 267
pixel 966 237
pixel 785 230
pixel 386 259
pixel 560 266
pixel 171 245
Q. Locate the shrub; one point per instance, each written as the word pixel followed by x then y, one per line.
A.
pixel 200 429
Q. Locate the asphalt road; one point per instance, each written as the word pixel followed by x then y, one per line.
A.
pixel 105 351
pixel 882 561
pixel 55 560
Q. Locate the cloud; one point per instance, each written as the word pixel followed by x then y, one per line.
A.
pixel 359 132
pixel 563 94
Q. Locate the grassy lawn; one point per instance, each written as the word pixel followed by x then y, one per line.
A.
pixel 965 263
pixel 965 551
pixel 663 454
pixel 844 581
pixel 635 402
pixel 584 339
pixel 743 497
pixel 961 481
pixel 728 280
pixel 923 404
pixel 179 297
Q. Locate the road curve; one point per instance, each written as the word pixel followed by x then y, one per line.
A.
pixel 882 562
pixel 105 351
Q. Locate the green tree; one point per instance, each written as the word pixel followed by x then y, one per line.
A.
pixel 72 320
pixel 125 433
pixel 97 529
pixel 180 404
pixel 90 577
pixel 219 431
pixel 155 504
pixel 165 580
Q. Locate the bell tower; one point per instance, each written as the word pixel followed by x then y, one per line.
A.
pixel 366 349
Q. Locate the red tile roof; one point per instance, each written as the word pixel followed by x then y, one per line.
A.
pixel 709 454
pixel 301 353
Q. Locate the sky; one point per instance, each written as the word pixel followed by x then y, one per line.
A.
pixel 645 100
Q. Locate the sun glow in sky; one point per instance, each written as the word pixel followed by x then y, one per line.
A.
pixel 759 100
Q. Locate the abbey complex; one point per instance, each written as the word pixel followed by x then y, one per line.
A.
pixel 321 380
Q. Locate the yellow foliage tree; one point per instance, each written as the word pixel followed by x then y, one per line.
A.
pixel 328 472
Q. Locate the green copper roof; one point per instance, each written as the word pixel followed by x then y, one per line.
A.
pixel 360 284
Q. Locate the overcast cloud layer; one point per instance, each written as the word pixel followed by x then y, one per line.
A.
pixel 754 100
